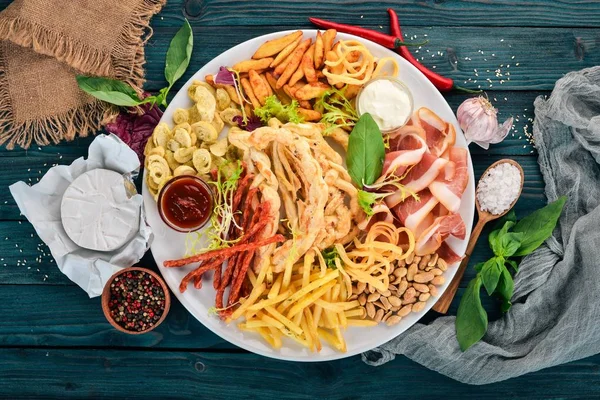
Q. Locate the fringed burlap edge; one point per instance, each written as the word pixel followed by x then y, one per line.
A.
pixel 134 35
pixel 80 121
pixel 83 120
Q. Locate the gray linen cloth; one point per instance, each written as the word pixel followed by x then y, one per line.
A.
pixel 555 317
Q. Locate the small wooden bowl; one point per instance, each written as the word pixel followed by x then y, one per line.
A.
pixel 106 298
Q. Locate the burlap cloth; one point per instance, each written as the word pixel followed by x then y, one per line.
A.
pixel 45 43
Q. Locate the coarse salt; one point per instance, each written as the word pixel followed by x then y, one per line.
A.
pixel 498 188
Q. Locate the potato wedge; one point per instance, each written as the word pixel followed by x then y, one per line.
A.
pixel 294 62
pixel 259 87
pixel 309 115
pixel 296 76
pixel 351 91
pixel 210 79
pixel 307 65
pixel 289 90
pixel 248 110
pixel 269 88
pixel 250 93
pixel 247 65
pixel 284 54
pixel 281 94
pixel 272 47
pixel 311 91
pixel 319 54
pixel 232 94
pixel 328 39
pixel 304 104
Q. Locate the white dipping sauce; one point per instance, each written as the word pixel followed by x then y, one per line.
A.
pixel 389 104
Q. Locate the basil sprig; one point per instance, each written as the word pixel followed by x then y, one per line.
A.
pixel 123 95
pixel 513 239
pixel 366 151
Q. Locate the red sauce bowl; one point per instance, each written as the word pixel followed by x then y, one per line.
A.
pixel 185 203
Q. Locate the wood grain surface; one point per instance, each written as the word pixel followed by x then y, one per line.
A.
pixel 54 340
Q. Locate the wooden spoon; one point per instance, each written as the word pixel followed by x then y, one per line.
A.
pixel 444 301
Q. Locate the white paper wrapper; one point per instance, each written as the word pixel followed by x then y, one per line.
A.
pixel 40 204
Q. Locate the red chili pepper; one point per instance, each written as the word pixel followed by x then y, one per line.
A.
pixel 391 42
pixel 442 83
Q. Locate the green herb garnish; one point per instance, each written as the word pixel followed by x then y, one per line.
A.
pixel 273 108
pixel 330 256
pixel 511 240
pixel 337 110
pixel 123 95
pixel 366 151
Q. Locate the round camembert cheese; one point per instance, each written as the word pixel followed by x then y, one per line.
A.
pixel 97 213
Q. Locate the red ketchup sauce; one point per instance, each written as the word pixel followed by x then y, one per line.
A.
pixel 185 203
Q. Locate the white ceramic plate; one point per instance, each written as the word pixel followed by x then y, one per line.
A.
pixel 169 244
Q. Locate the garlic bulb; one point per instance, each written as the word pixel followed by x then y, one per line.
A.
pixel 479 121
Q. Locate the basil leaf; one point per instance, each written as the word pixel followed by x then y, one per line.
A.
pixel 504 243
pixel 510 243
pixel 109 90
pixel 179 53
pixel 505 289
pixel 365 151
pixel 471 319
pixel 495 236
pixel 479 266
pixel 538 226
pixel 490 274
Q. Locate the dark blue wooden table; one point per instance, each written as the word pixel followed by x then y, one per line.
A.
pixel 54 340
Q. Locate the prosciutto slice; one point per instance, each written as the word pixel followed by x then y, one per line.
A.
pixel 408 150
pixel 446 253
pixel 412 213
pixel 425 172
pixel 438 134
pixel 442 227
pixel 449 191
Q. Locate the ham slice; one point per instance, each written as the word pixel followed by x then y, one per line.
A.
pixel 408 150
pixel 449 191
pixel 412 213
pixel 446 253
pixel 425 172
pixel 439 135
pixel 442 227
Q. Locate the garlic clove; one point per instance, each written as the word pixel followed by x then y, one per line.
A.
pixel 479 121
pixel 502 131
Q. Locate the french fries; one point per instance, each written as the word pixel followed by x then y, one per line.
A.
pixel 249 92
pixel 328 39
pixel 311 91
pixel 290 68
pixel 283 97
pixel 272 47
pixel 286 52
pixel 246 66
pixel 319 51
pixel 299 74
pixel 259 87
pixel 293 63
pixel 313 307
pixel 307 65
pixel 310 115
